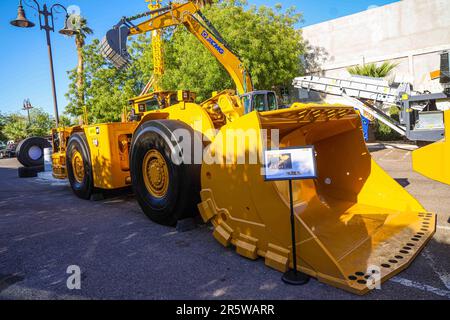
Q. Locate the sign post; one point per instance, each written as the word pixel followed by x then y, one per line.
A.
pixel 288 165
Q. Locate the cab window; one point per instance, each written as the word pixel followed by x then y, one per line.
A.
pixel 259 102
pixel 152 105
pixel 173 99
pixel 272 101
pixel 246 101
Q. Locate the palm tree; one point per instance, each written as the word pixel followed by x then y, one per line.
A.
pixel 373 70
pixel 81 26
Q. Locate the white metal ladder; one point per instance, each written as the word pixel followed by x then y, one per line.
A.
pixel 355 90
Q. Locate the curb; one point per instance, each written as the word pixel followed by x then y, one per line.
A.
pixel 382 146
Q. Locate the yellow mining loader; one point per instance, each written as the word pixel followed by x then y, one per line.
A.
pixel 354 223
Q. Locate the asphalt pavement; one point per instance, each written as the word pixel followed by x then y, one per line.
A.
pixel 44 229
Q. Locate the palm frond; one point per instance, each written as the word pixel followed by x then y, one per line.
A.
pixel 373 70
pixel 83 29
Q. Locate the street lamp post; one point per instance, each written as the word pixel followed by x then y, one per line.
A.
pixel 27 107
pixel 22 22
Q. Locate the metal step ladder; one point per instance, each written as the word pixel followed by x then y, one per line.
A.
pixel 358 90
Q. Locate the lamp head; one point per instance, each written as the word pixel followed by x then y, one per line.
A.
pixel 21 21
pixel 68 29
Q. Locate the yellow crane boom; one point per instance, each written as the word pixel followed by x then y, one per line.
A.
pixel 190 16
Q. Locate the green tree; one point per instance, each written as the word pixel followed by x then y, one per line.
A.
pixel 18 128
pixel 385 133
pixel 373 70
pixel 66 121
pixel 107 90
pixel 3 120
pixel 266 39
pixel 203 3
pixel 41 123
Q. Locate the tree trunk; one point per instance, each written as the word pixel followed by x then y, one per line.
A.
pixel 80 71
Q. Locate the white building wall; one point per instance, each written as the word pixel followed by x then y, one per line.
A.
pixel 409 32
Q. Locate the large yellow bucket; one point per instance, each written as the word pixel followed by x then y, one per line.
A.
pixel 433 161
pixel 354 224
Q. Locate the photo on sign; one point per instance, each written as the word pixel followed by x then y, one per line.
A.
pixel 280 162
pixel 290 164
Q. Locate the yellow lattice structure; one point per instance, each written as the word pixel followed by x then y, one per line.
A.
pixel 157 50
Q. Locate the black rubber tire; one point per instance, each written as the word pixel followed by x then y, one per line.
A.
pixel 29 172
pixel 183 195
pixel 24 147
pixel 39 168
pixel 78 142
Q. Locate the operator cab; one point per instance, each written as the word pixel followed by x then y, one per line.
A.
pixel 260 101
pixel 158 101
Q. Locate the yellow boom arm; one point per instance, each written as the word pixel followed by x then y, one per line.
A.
pixel 178 14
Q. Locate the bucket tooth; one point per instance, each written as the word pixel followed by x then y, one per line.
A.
pixel 223 233
pixel 207 208
pixel 246 246
pixel 277 258
pixel 354 224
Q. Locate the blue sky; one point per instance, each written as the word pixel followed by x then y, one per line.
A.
pixel 24 59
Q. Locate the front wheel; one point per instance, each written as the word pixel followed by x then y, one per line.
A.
pixel 79 167
pixel 166 190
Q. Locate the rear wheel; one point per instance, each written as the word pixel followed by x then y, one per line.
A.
pixel 155 171
pixel 166 190
pixel 79 167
